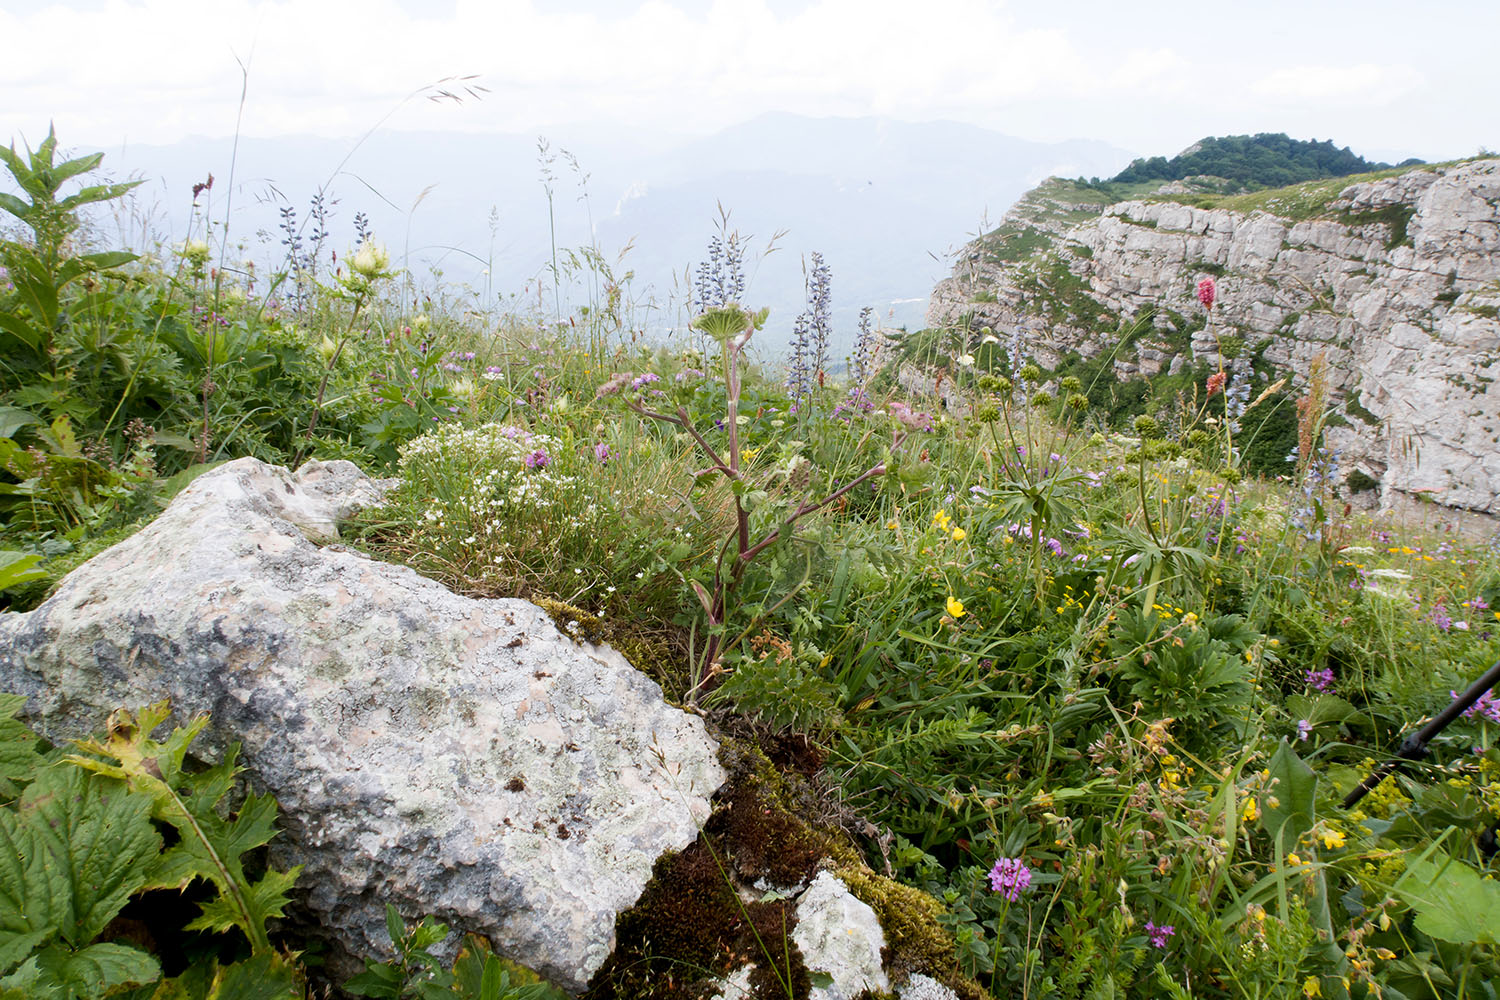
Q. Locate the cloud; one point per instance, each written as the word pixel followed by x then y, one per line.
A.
pixel 1365 83
pixel 159 69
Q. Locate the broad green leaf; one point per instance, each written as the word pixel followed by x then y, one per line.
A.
pixel 15 206
pixel 18 567
pixel 1453 902
pixel 92 972
pixel 23 331
pixel 92 846
pixel 13 418
pixel 1287 804
pixel 72 168
pixel 107 259
pixel 18 753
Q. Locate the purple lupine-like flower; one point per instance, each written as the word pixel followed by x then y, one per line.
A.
pixel 644 380
pixel 1010 877
pixel 1487 706
pixel 1159 935
pixel 1304 729
pixel 1319 680
pixel 601 452
pixel 538 459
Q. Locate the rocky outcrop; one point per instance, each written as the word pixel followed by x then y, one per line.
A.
pixel 1395 281
pixel 452 756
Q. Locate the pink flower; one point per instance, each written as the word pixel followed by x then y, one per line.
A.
pixel 1159 935
pixel 601 452
pixel 1010 877
pixel 1216 380
pixel 538 459
pixel 1206 292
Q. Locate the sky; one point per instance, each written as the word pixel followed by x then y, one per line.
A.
pixel 1386 78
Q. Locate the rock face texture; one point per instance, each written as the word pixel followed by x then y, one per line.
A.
pixel 1395 281
pixel 452 756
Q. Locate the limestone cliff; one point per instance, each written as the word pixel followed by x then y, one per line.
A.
pixel 1394 277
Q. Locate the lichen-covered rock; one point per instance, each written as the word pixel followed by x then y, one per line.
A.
pixel 840 937
pixel 452 756
pixel 1395 281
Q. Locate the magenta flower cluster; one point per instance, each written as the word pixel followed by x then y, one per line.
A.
pixel 1010 877
pixel 1159 935
pixel 1206 292
pixel 1320 680
pixel 538 459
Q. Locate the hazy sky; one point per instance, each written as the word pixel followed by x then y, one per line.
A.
pixel 1388 78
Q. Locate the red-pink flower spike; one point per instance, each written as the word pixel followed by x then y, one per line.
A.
pixel 1206 292
pixel 1215 381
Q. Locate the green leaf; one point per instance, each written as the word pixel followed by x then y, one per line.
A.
pixel 107 259
pixel 23 331
pixel 18 745
pixel 18 567
pixel 1287 804
pixel 1453 902
pixel 210 844
pixel 86 974
pixel 13 418
pixel 15 206
pixel 89 846
pixel 263 977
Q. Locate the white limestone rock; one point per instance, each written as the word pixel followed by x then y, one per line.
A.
pixel 452 756
pixel 1408 325
pixel 841 936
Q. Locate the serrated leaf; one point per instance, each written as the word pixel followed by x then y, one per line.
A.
pixel 263 977
pixel 18 754
pixel 1288 803
pixel 1452 901
pixel 260 900
pixel 210 845
pixel 99 968
pixel 87 845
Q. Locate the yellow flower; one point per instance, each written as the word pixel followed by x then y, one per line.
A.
pixel 959 534
pixel 941 519
pixel 1252 811
pixel 1332 839
pixel 1311 987
pixel 955 607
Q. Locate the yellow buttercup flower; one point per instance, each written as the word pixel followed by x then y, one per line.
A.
pixel 955 607
pixel 959 534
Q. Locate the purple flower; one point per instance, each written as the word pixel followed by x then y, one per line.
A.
pixel 538 459
pixel 1487 705
pixel 1160 934
pixel 601 452
pixel 1440 618
pixel 1303 729
pixel 1320 680
pixel 1010 877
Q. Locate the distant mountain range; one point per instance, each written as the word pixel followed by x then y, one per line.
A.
pixel 883 201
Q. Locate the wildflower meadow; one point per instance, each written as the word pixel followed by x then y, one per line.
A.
pixel 1083 674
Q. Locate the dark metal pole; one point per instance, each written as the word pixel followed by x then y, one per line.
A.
pixel 1414 747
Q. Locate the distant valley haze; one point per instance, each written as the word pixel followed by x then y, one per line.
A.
pixel 883 201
